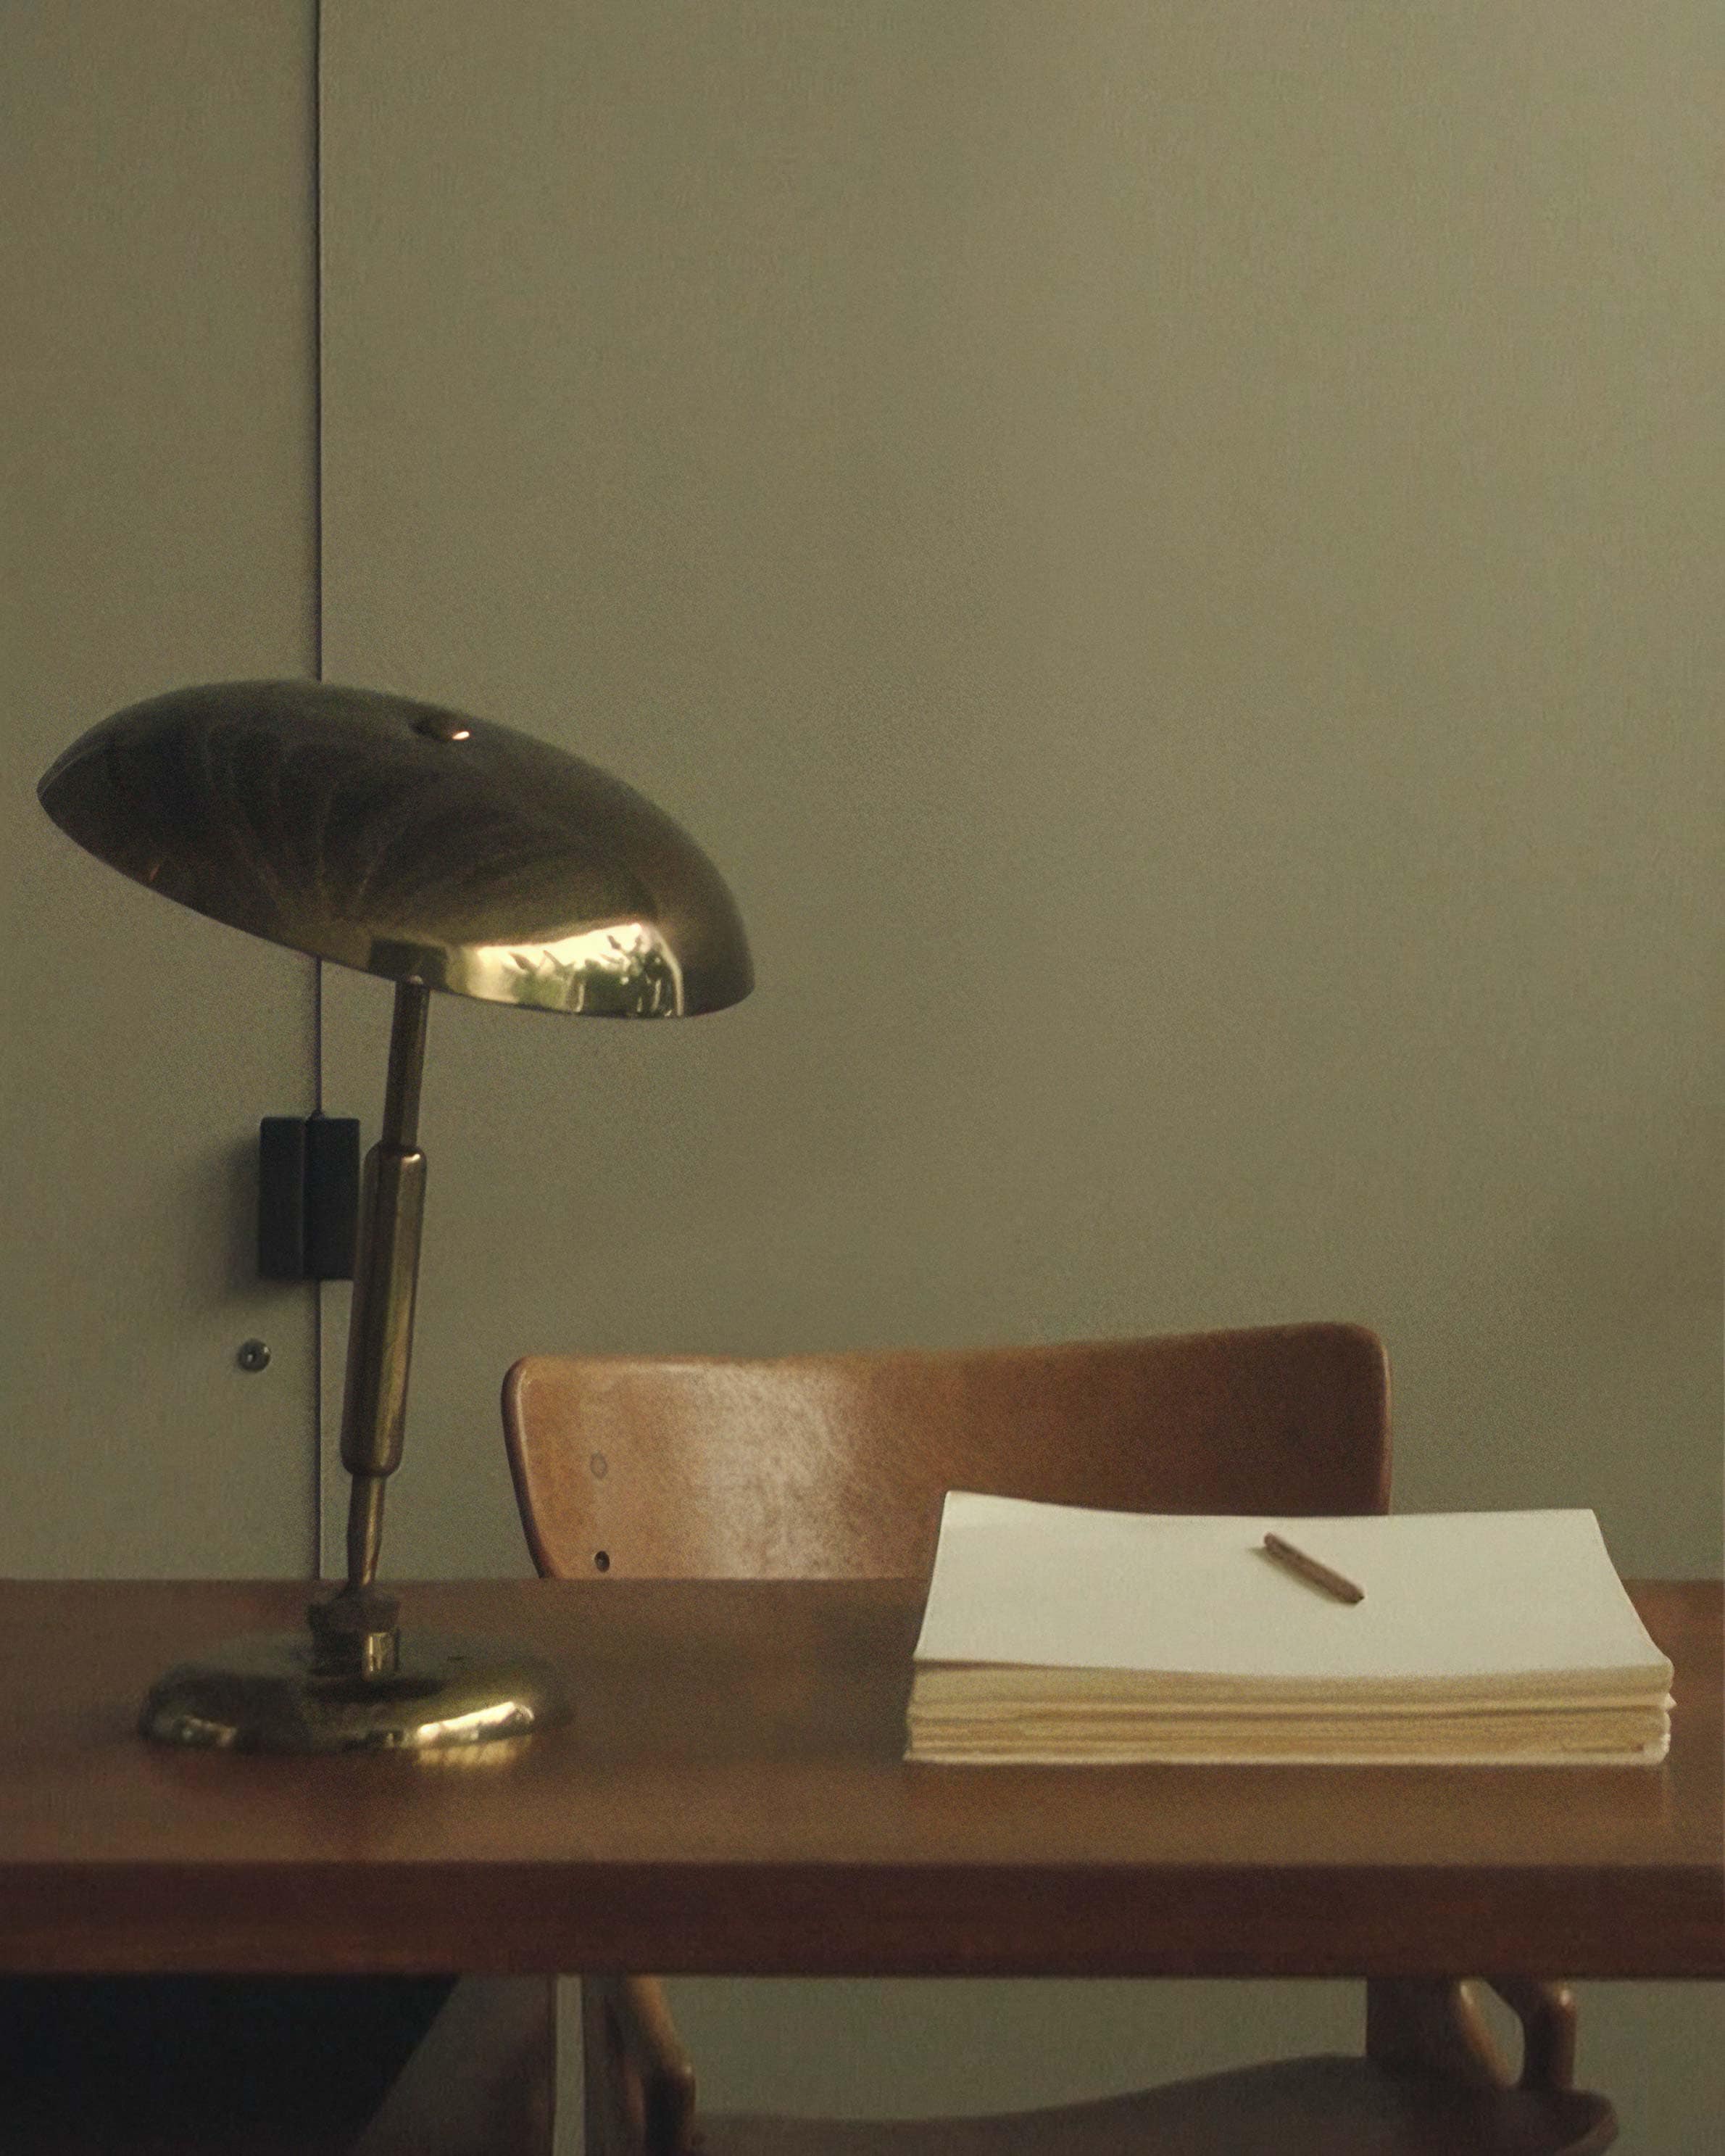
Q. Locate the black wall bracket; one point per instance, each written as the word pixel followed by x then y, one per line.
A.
pixel 308 1196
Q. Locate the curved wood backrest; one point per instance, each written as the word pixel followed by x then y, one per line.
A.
pixel 825 1466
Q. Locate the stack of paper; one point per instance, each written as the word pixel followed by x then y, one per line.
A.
pixel 1053 1634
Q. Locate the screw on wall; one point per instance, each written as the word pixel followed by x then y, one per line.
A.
pixel 253 1355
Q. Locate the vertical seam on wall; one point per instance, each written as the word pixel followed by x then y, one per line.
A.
pixel 317 989
pixel 317 354
pixel 317 449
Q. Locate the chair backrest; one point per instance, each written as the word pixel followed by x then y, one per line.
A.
pixel 824 1467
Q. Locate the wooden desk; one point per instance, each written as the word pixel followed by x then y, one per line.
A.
pixel 731 1799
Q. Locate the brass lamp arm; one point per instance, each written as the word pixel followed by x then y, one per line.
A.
pixel 386 1276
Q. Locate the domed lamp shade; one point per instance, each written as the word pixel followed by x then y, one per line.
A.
pixel 441 852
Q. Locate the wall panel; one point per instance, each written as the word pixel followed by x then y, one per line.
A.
pixel 158 448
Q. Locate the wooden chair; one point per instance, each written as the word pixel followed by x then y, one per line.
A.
pixel 835 1466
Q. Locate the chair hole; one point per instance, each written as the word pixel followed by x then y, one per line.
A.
pixel 602 1560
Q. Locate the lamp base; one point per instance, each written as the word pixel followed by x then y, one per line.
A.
pixel 271 1691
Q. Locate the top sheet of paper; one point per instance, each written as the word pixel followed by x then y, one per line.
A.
pixel 1448 1594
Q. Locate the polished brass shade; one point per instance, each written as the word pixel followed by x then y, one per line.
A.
pixel 409 841
pixel 442 852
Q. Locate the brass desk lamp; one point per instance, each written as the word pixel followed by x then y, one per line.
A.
pixel 440 852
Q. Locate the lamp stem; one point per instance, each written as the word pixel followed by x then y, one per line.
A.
pixel 385 1278
pixel 365 1531
pixel 407 1066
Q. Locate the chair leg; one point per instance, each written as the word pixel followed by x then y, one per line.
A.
pixel 640 2085
pixel 1433 2026
pixel 1546 2014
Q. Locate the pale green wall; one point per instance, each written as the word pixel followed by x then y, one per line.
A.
pixel 155 431
pixel 1169 552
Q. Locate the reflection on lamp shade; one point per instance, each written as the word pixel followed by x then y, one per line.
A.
pixel 627 971
pixel 409 841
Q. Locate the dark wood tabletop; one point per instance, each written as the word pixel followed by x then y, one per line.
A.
pixel 731 1797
